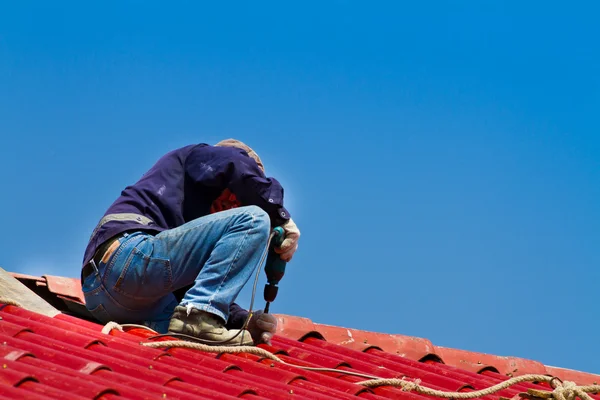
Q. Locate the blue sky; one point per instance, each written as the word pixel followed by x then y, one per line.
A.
pixel 441 159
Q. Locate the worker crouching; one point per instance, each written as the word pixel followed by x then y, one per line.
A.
pixel 176 248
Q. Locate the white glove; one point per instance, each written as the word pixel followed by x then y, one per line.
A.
pixel 262 327
pixel 290 243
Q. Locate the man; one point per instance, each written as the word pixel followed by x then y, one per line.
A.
pixel 175 249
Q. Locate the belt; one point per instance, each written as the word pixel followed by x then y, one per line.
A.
pixel 102 255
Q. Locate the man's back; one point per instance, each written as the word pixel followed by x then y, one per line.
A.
pixel 182 185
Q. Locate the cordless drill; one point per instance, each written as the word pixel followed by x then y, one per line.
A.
pixel 274 267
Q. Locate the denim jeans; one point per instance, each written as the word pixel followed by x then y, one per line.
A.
pixel 217 253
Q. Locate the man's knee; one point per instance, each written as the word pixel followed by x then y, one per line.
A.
pixel 257 218
pixel 260 216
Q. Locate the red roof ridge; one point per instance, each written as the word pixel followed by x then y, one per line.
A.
pixel 421 349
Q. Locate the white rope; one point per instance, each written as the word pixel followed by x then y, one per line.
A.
pixel 561 390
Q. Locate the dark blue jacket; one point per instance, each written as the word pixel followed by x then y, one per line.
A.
pixel 182 186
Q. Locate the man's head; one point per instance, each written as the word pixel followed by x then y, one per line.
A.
pixel 240 145
pixel 228 200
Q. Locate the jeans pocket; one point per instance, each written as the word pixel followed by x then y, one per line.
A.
pixel 144 277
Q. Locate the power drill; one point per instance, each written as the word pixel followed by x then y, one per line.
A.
pixel 274 267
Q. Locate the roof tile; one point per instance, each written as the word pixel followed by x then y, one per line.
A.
pixel 68 287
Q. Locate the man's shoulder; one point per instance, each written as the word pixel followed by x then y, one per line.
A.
pixel 183 152
pixel 188 148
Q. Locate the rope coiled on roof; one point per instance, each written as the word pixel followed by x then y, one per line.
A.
pixel 257 351
pixel 561 390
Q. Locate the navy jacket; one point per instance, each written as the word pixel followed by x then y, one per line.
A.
pixel 182 186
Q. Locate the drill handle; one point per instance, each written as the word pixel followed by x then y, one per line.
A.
pixel 275 266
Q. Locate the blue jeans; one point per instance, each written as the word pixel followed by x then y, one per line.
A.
pixel 217 253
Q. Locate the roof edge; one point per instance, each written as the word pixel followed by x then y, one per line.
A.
pixel 416 348
pixel 13 290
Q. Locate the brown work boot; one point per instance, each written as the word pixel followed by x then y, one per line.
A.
pixel 206 326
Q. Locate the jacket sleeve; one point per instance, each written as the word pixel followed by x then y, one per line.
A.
pixel 237 317
pixel 232 168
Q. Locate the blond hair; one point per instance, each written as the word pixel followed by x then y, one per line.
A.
pixel 241 145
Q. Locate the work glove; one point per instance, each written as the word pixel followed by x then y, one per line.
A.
pixel 262 327
pixel 290 243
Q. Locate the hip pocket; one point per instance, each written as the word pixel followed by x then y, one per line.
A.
pixel 144 276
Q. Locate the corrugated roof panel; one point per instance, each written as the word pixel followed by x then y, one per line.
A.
pixel 68 357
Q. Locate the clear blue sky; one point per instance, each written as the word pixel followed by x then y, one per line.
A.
pixel 442 160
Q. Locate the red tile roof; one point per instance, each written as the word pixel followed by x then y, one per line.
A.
pixel 68 357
